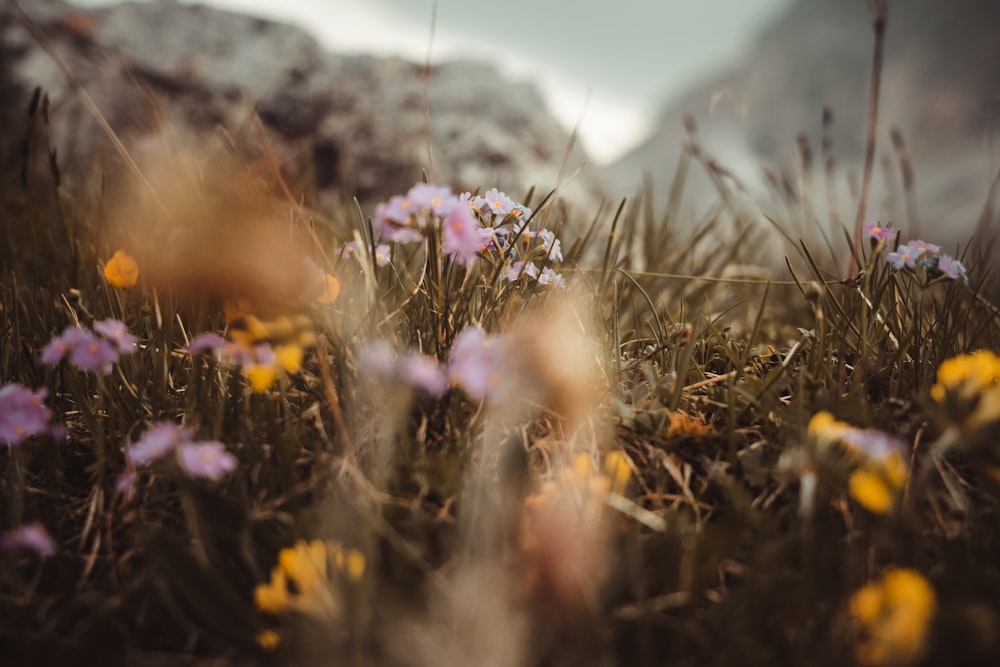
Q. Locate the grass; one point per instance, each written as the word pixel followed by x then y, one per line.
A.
pixel 643 480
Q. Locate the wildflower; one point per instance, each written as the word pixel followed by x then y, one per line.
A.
pixel 920 247
pixel 354 565
pixel 460 236
pixel 32 537
pixel 423 373
pixel 209 342
pixel 895 614
pixel 903 256
pixel 616 465
pixel 551 244
pixel 117 334
pixel 394 221
pixel 478 365
pixel 331 290
pixel 353 249
pixel 550 277
pixel 267 639
pixel 475 204
pixel 824 428
pixel 300 581
pixel 378 358
pixel 518 269
pixel 952 268
pixel 23 413
pixel 497 202
pixel 87 351
pixel 121 270
pixel 273 597
pixel 879 233
pixel 521 212
pixel 205 460
pixel 437 198
pixel 125 485
pixel 261 377
pixel 158 441
pixel 968 388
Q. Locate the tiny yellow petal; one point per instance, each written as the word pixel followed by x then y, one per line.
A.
pixel 121 270
pixel 289 357
pixel 617 467
pixel 870 489
pixel 268 640
pixel 272 597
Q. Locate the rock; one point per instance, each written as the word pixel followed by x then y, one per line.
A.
pixel 159 70
pixel 940 87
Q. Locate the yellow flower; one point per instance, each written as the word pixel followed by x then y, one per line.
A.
pixel 877 482
pixel 330 292
pixel 272 597
pixel 268 639
pixel 617 467
pixel 261 377
pixel 895 614
pixel 289 357
pixel 824 428
pixel 355 565
pixel 121 270
pixel 968 388
pixel 305 564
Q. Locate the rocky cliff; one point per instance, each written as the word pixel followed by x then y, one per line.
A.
pixel 162 70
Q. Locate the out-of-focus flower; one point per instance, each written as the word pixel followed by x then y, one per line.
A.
pixel 497 202
pixel 423 373
pixel 895 614
pixel 551 244
pixel 23 413
pixel 121 270
pixel 331 290
pixel 267 639
pixel 968 389
pixel 378 358
pixel 117 334
pixel 920 247
pixel 518 269
pixel 125 484
pixel 439 199
pixel 205 460
pixel 87 351
pixel 478 364
pixel 301 581
pixel 550 277
pixel 824 428
pixel 460 236
pixel 904 255
pixel 158 441
pixel 952 268
pixel 32 537
pixel 878 232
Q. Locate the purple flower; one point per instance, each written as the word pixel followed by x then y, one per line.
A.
pixel 478 364
pixel 158 441
pixel 423 373
pixel 22 413
pixel 378 358
pixel 550 277
pixel 353 249
pixel 438 198
pixel 879 233
pixel 920 247
pixel 33 537
pixel 393 219
pixel 205 460
pixel 517 269
pixel 903 256
pixel 497 202
pixel 96 355
pixel 60 346
pixel 125 484
pixel 952 268
pixel 475 204
pixel 209 342
pixel 460 236
pixel 117 333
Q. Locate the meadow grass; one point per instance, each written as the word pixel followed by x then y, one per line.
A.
pixel 483 430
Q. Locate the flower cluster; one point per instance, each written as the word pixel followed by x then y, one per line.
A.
pixel 199 460
pixel 881 471
pixel 302 582
pixel 895 614
pixel 32 537
pixel 470 226
pixel 96 351
pixel 23 414
pixel 354 249
pixel 264 349
pixel 918 255
pixel 968 389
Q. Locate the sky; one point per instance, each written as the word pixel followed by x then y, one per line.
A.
pixel 609 65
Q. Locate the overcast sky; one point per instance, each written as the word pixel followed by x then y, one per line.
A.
pixel 616 61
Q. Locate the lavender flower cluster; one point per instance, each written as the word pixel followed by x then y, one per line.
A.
pixel 918 254
pixel 470 227
pixel 23 414
pixel 202 459
pixel 478 364
pixel 96 351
